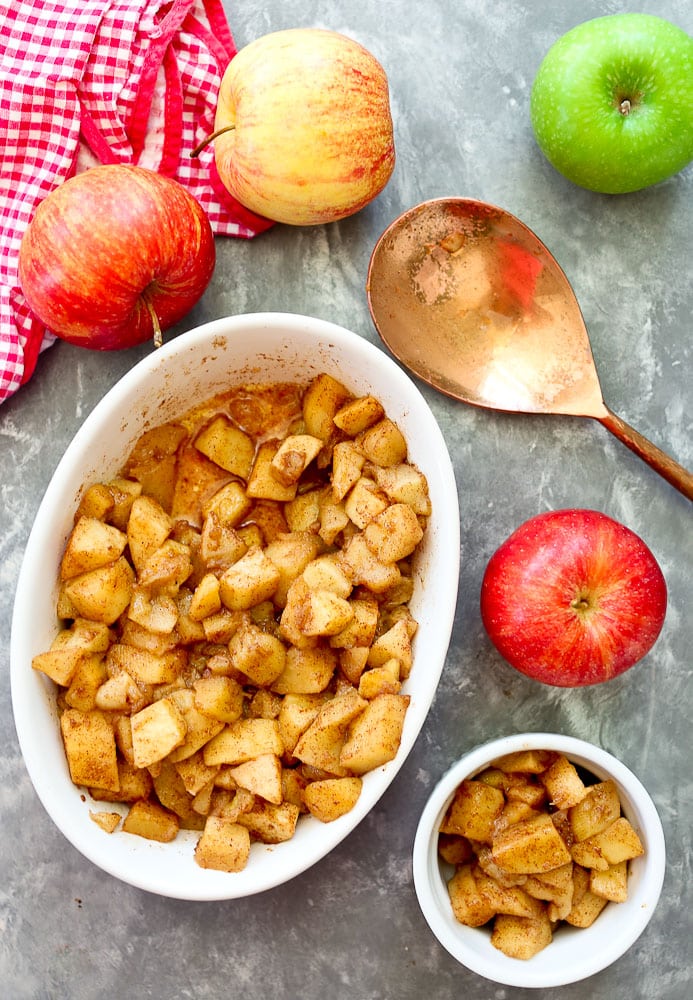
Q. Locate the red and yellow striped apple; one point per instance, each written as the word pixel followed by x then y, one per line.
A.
pixel 303 129
pixel 114 256
pixel 573 597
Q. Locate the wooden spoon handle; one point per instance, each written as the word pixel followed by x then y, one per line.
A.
pixel 657 459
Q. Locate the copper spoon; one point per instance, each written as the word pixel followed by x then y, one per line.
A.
pixel 469 299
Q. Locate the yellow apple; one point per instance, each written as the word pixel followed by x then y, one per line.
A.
pixel 303 130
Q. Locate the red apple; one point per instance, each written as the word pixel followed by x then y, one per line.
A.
pixel 303 129
pixel 572 598
pixel 115 255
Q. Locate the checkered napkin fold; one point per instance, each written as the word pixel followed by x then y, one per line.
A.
pixel 102 81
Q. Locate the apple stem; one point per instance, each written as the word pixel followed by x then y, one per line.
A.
pixel 210 138
pixel 625 106
pixel 158 335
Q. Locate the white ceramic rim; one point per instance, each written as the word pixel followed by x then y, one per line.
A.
pixel 560 963
pixel 269 865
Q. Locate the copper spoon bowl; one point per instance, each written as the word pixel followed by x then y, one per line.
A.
pixel 469 299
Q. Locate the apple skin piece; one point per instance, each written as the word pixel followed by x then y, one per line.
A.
pixel 573 598
pixel 109 246
pixel 312 137
pixel 580 121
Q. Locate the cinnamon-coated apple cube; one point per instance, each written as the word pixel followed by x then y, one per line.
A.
pixel 290 553
pixel 588 854
pixel 91 544
pixel 90 749
pixel 530 792
pixel 473 811
pixel 259 655
pixel 455 850
pixel 352 663
pixel 597 810
pixel 358 415
pixel 327 573
pixel 200 728
pixel 468 905
pixel 194 773
pixel 364 501
pixel 87 678
pixel 293 616
pixel 395 643
pixel 262 776
pixel 148 528
pixel 484 860
pixel 150 820
pixel 320 745
pixel 323 398
pixel 585 911
pixel 108 821
pixel 367 570
pixel 404 483
pixel 530 846
pixel 224 845
pixel 118 693
pixel 227 446
pixel 333 520
pixel 611 884
pixel 296 714
pixel 156 730
pixel 521 937
pixel 101 595
pixel 221 626
pixel 97 501
pixel 243 740
pixel 361 629
pixel 59 664
pixel 374 736
pixel 563 783
pixel 293 457
pixel 380 680
pixel 324 613
pixel 270 823
pixel 393 534
pixel 619 842
pixel 555 887
pixel 525 761
pixel 145 666
pixel 230 503
pixel 167 568
pixel 511 900
pixel 330 798
pixel 514 812
pixel 135 783
pixel 306 671
pixel 383 443
pixel 303 512
pixel 251 580
pixel 347 464
pixel 157 615
pixel 264 704
pixel 262 483
pixel 206 599
pixel 220 544
pixel 152 461
pixel 124 492
pixel 171 792
pixel 218 696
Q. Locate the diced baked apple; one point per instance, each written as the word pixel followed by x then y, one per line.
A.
pixel 395 643
pixel 383 443
pixel 303 512
pixel 521 937
pixel 220 697
pixel 293 457
pixel 148 527
pixel 152 462
pixel 262 482
pixel 330 798
pixel 563 783
pixel 533 845
pixel 90 749
pixel 290 553
pixel 230 503
pixel 473 811
pixel 262 776
pixel 597 810
pixel 150 668
pixel 306 671
pixel 253 579
pixel 320 745
pixel 380 680
pixel 199 727
pixel 347 464
pixel 366 569
pixel 156 730
pixel 364 501
pixel 257 654
pixel 405 483
pixel 527 761
pixel 220 544
pixel 243 740
pixel 469 906
pixel 206 599
pixel 101 595
pixel 227 446
pixel 323 398
pixel 327 573
pixel 358 415
pixel 224 845
pixel 374 736
pixel 91 544
pixel 393 534
pixel 269 822
pixel 150 820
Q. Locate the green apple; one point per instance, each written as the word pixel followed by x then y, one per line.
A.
pixel 612 102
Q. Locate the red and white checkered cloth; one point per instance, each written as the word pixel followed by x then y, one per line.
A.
pixel 102 81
